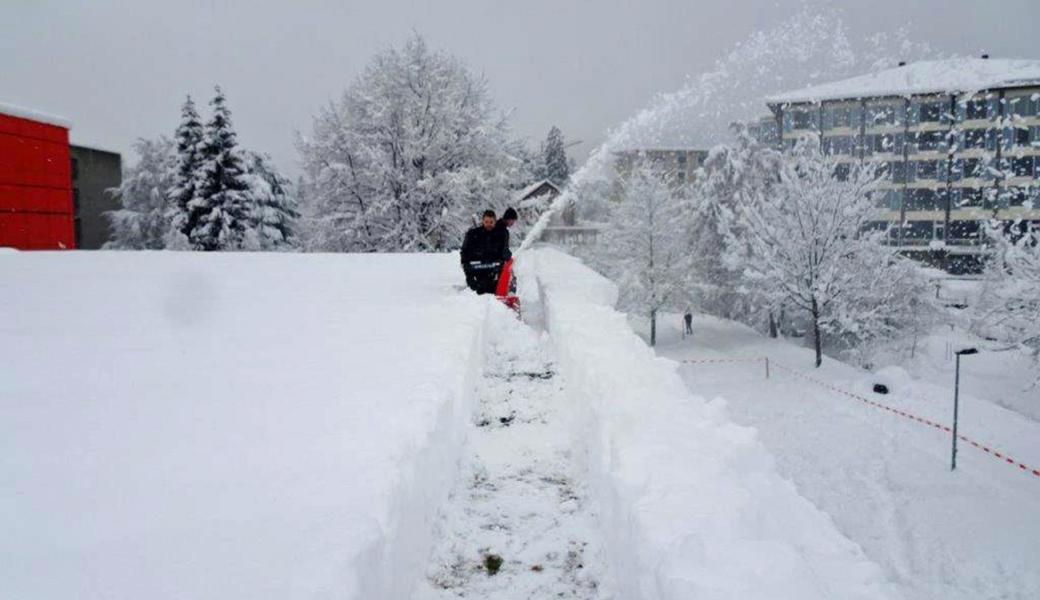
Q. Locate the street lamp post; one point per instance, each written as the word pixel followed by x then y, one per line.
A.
pixel 956 399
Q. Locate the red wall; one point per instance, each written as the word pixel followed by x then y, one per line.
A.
pixel 36 210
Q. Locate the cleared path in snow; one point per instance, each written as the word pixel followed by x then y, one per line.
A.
pixel 520 498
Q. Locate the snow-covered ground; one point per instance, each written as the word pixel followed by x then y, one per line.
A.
pixel 883 479
pixel 690 503
pixel 520 523
pixel 189 425
pixel 180 425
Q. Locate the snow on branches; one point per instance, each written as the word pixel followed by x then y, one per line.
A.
pixel 142 223
pixel 413 149
pixel 807 241
pixel 643 246
pixel 201 191
pixel 1009 305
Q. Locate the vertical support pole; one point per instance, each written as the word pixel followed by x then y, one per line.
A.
pixel 956 398
pixel 767 367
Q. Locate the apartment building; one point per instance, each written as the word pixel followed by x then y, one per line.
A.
pixel 957 143
pixel 679 164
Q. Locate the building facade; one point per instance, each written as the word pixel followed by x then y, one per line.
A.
pixel 957 144
pixel 678 164
pixel 94 173
pixel 36 208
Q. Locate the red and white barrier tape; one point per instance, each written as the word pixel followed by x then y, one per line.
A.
pixel 723 360
pixel 1005 458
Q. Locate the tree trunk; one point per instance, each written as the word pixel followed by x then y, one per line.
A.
pixel 772 325
pixel 816 332
pixel 653 327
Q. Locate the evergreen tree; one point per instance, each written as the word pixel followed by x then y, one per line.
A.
pixel 221 211
pixel 188 138
pixel 557 169
pixel 274 205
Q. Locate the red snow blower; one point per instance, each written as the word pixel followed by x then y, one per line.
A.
pixel 505 292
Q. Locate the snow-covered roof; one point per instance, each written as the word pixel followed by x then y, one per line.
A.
pixel 34 115
pixel 960 75
pixel 527 191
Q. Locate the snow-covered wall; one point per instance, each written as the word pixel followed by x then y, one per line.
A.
pixel 218 425
pixel 690 503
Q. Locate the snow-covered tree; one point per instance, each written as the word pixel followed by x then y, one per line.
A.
pixel 221 211
pixel 810 246
pixel 413 149
pixel 554 152
pixel 731 175
pixel 188 138
pixel 1009 306
pixel 274 205
pixel 643 248
pixel 143 221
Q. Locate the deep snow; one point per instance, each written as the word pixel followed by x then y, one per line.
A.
pixel 885 480
pixel 204 425
pixel 691 504
pixel 180 425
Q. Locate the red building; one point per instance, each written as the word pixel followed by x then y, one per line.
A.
pixel 36 206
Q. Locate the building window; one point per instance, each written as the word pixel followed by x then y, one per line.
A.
pixel 930 141
pixel 964 231
pixel 885 115
pixel 1024 106
pixel 841 144
pixel 1017 196
pixel 926 199
pixel 1018 136
pixel 918 230
pixel 884 143
pixel 898 170
pixel 976 109
pixel 930 112
pixel 803 119
pixel 926 170
pixel 841 116
pixel 1022 166
pixel 75 169
pixel 967 197
pixel 973 138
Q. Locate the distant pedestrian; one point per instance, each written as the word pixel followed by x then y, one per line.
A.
pixel 688 321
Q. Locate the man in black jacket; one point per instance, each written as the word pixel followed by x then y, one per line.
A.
pixel 484 249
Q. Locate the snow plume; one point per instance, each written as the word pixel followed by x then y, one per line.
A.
pixel 404 160
pixel 812 46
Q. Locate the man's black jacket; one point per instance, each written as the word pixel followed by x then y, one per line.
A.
pixel 486 246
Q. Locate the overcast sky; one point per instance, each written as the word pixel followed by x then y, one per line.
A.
pixel 119 69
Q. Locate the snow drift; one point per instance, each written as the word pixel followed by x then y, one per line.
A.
pixel 188 425
pixel 691 504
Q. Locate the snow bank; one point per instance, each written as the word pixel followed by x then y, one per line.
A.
pixel 182 425
pixel 691 503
